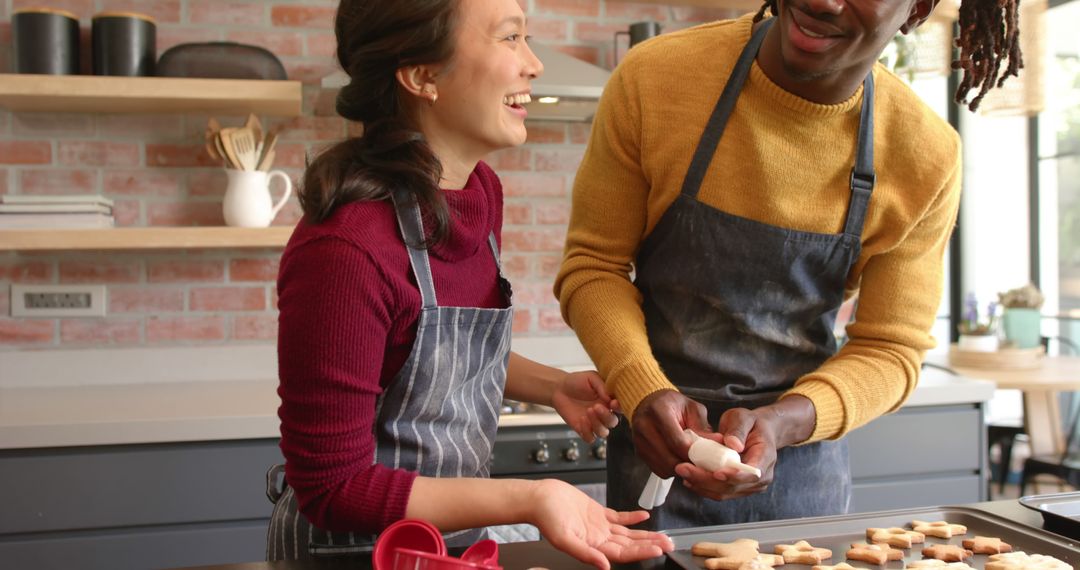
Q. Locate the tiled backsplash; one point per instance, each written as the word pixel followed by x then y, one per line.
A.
pixel 155 169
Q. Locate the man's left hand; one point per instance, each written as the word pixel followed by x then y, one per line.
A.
pixel 756 435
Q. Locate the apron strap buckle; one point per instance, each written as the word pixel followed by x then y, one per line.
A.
pixel 863 181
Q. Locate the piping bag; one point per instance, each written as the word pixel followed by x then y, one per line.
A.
pixel 704 453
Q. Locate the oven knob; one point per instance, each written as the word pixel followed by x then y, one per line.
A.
pixel 600 451
pixel 542 455
pixel 572 453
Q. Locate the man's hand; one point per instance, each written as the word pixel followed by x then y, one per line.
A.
pixel 658 425
pixel 757 435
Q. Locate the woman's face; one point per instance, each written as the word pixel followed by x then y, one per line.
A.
pixel 481 90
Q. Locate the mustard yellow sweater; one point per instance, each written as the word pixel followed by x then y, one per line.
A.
pixel 783 161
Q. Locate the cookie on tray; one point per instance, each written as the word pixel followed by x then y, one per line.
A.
pixel 1024 561
pixel 935 563
pixel 874 553
pixel 742 554
pixel 895 536
pixel 987 545
pixel 840 566
pixel 940 529
pixel 802 553
pixel 947 552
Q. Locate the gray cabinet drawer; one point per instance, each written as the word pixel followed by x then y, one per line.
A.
pixel 138 549
pixel 869 496
pixel 919 440
pixel 113 486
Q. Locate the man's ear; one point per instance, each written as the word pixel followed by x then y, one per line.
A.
pixel 418 80
pixel 920 11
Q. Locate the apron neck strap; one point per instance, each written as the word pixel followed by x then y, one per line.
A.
pixel 710 139
pixel 863 177
pixel 411 225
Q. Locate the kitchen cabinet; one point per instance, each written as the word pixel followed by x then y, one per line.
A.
pixel 101 94
pixel 115 507
pixel 135 506
pixel 143 238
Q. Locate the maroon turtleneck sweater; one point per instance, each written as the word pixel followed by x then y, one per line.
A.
pixel 349 306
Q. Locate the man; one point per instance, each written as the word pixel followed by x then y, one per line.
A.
pixel 751 175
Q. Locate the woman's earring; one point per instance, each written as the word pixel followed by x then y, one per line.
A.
pixel 434 98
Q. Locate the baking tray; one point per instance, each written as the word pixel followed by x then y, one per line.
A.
pixel 1060 512
pixel 838 532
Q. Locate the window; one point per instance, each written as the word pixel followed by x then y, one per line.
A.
pixel 1058 151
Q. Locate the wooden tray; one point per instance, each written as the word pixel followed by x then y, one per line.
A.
pixel 1002 359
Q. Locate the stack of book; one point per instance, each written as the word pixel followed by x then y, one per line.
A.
pixel 81 211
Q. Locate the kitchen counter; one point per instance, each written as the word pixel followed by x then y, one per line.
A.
pixel 124 396
pixel 521 556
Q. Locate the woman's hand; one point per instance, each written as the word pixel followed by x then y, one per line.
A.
pixel 756 435
pixel 585 405
pixel 586 530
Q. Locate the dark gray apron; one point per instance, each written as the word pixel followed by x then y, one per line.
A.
pixel 736 311
pixel 439 414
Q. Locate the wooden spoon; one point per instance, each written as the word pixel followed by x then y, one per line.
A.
pixel 225 136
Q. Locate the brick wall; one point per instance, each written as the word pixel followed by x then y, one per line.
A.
pixel 155 170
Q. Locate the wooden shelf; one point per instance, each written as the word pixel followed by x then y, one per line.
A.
pixel 143 238
pixel 99 94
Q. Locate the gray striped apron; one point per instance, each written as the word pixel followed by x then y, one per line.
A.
pixel 736 311
pixel 438 415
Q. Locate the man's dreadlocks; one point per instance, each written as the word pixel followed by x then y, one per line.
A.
pixel 989 34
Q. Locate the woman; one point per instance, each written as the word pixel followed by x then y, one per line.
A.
pixel 394 317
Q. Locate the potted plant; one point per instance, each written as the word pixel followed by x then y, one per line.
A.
pixel 976 333
pixel 1022 321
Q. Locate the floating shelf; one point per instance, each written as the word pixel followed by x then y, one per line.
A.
pixel 100 94
pixel 143 238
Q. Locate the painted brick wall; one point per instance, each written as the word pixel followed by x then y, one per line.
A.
pixel 155 170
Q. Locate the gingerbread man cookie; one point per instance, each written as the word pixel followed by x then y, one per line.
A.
pixel 840 566
pixel 874 553
pixel 802 553
pixel 935 563
pixel 987 545
pixel 733 555
pixel 940 529
pixel 1024 561
pixel 895 536
pixel 947 552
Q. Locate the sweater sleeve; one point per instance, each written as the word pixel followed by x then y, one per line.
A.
pixel 335 317
pixel 607 224
pixel 878 368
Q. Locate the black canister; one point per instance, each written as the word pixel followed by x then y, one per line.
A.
pixel 125 43
pixel 46 41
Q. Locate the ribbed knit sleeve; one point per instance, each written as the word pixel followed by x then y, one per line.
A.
pixel 878 368
pixel 607 224
pixel 334 322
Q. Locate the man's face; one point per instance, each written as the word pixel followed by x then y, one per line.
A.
pixel 828 39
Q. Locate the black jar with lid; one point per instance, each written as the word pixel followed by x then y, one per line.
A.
pixel 46 41
pixel 124 43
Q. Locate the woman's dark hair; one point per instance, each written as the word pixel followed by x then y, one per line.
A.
pixel 376 38
pixel 989 34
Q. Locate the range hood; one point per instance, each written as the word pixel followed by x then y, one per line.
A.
pixel 568 90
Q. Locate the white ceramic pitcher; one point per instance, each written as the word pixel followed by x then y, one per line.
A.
pixel 247 197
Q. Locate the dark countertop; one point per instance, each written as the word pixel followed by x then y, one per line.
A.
pixel 525 555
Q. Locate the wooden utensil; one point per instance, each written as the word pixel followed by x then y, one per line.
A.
pixel 267 161
pixel 244 146
pixel 219 146
pixel 225 136
pixel 268 148
pixel 256 127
